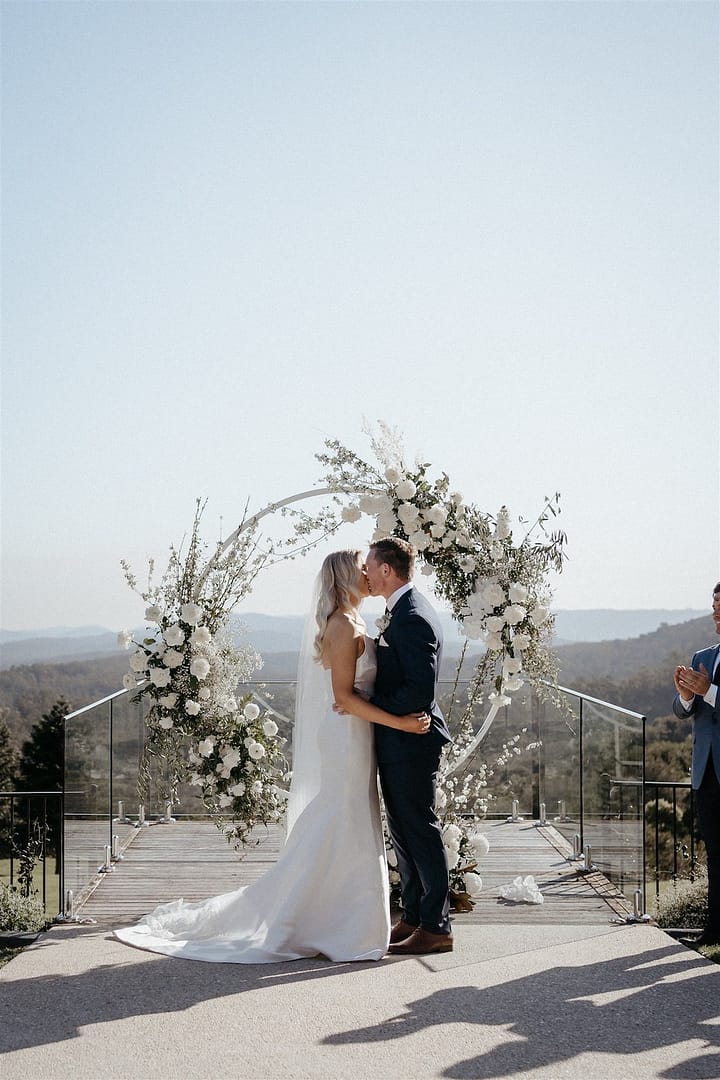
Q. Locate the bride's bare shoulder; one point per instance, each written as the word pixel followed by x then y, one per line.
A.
pixel 342 633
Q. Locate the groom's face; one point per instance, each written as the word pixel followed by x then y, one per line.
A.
pixel 375 575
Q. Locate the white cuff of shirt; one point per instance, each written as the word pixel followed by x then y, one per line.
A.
pixel 711 696
pixel 687 705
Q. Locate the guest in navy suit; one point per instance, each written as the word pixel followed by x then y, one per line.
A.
pixel 409 650
pixel 697 696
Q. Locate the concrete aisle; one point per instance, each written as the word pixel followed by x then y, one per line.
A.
pixel 548 1002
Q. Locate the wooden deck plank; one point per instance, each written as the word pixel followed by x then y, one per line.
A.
pixel 192 860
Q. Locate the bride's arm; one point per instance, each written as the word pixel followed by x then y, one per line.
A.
pixel 340 651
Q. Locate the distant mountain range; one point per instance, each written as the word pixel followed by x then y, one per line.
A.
pixel 273 634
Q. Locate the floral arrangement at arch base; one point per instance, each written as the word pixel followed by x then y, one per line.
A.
pixel 197 730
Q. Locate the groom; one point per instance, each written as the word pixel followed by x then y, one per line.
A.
pixel 408 663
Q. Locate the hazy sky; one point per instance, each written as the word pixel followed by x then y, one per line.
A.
pixel 233 229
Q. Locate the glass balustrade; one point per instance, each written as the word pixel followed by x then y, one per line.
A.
pixel 580 763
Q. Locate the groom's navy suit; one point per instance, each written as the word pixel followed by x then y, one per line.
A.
pixel 408 664
pixel 706 775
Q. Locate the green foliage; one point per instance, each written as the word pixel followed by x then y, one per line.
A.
pixel 18 912
pixel 8 757
pixel 685 907
pixel 41 762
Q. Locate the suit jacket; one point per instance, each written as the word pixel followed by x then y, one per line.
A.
pixel 408 666
pixel 705 721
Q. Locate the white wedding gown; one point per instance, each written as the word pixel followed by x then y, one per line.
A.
pixel 328 892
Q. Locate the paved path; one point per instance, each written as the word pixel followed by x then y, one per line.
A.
pixel 547 1000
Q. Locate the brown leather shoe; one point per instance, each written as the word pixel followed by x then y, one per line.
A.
pixel 422 943
pixel 401 931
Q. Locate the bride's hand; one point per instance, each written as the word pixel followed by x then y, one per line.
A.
pixel 416 723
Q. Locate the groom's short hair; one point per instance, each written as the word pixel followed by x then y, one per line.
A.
pixel 397 553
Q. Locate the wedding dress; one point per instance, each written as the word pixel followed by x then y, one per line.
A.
pixel 328 892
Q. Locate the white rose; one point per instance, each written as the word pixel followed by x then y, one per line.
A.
pixel 392 475
pixel 386 522
pixel 383 504
pixel 192 708
pixel 437 531
pixel 351 513
pixel 256 751
pixel 124 639
pixel 256 787
pixel 391 857
pixel 174 635
pixel 172 658
pixel 191 614
pixel 231 758
pixel 463 540
pixel 169 701
pixel 165 722
pixel 224 800
pixel 270 728
pixel 153 613
pixel 408 515
pixel 368 504
pixel 514 614
pixel 518 593
pixel 493 595
pixel 201 636
pixel 204 693
pixel 247 743
pixel 206 747
pixel 472 627
pixel 394 877
pixel 521 642
pixel 453 857
pixel 251 711
pixel 237 789
pixel 494 624
pixel 160 676
pixel 479 844
pixel 405 489
pixel 436 514
pixel 419 539
pixel 539 615
pixel 493 642
pixel 451 835
pixel 196 780
pixel 200 668
pixel 138 661
pixel 467 564
pixel 129 681
pixel 473 884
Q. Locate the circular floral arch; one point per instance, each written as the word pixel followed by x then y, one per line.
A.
pixel 493 575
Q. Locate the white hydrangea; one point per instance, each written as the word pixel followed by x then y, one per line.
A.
pixel 191 614
pixel 351 513
pixel 405 489
pixel 200 667
pixel 201 636
pixel 174 635
pixel 172 658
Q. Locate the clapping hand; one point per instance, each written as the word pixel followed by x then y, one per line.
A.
pixel 689 682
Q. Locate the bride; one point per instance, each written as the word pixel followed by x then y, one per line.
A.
pixel 328 892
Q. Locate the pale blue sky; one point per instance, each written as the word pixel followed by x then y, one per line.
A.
pixel 233 229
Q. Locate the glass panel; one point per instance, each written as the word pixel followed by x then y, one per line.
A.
pixel 559 763
pixel 87 793
pixel 612 776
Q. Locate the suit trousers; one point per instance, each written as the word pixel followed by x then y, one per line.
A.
pixel 707 800
pixel 408 788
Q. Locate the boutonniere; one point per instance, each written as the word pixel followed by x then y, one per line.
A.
pixel 383 622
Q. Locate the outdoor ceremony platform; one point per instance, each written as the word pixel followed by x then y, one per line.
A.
pixel 555 991
pixel 192 860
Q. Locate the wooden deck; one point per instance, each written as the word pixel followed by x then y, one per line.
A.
pixel 192 860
